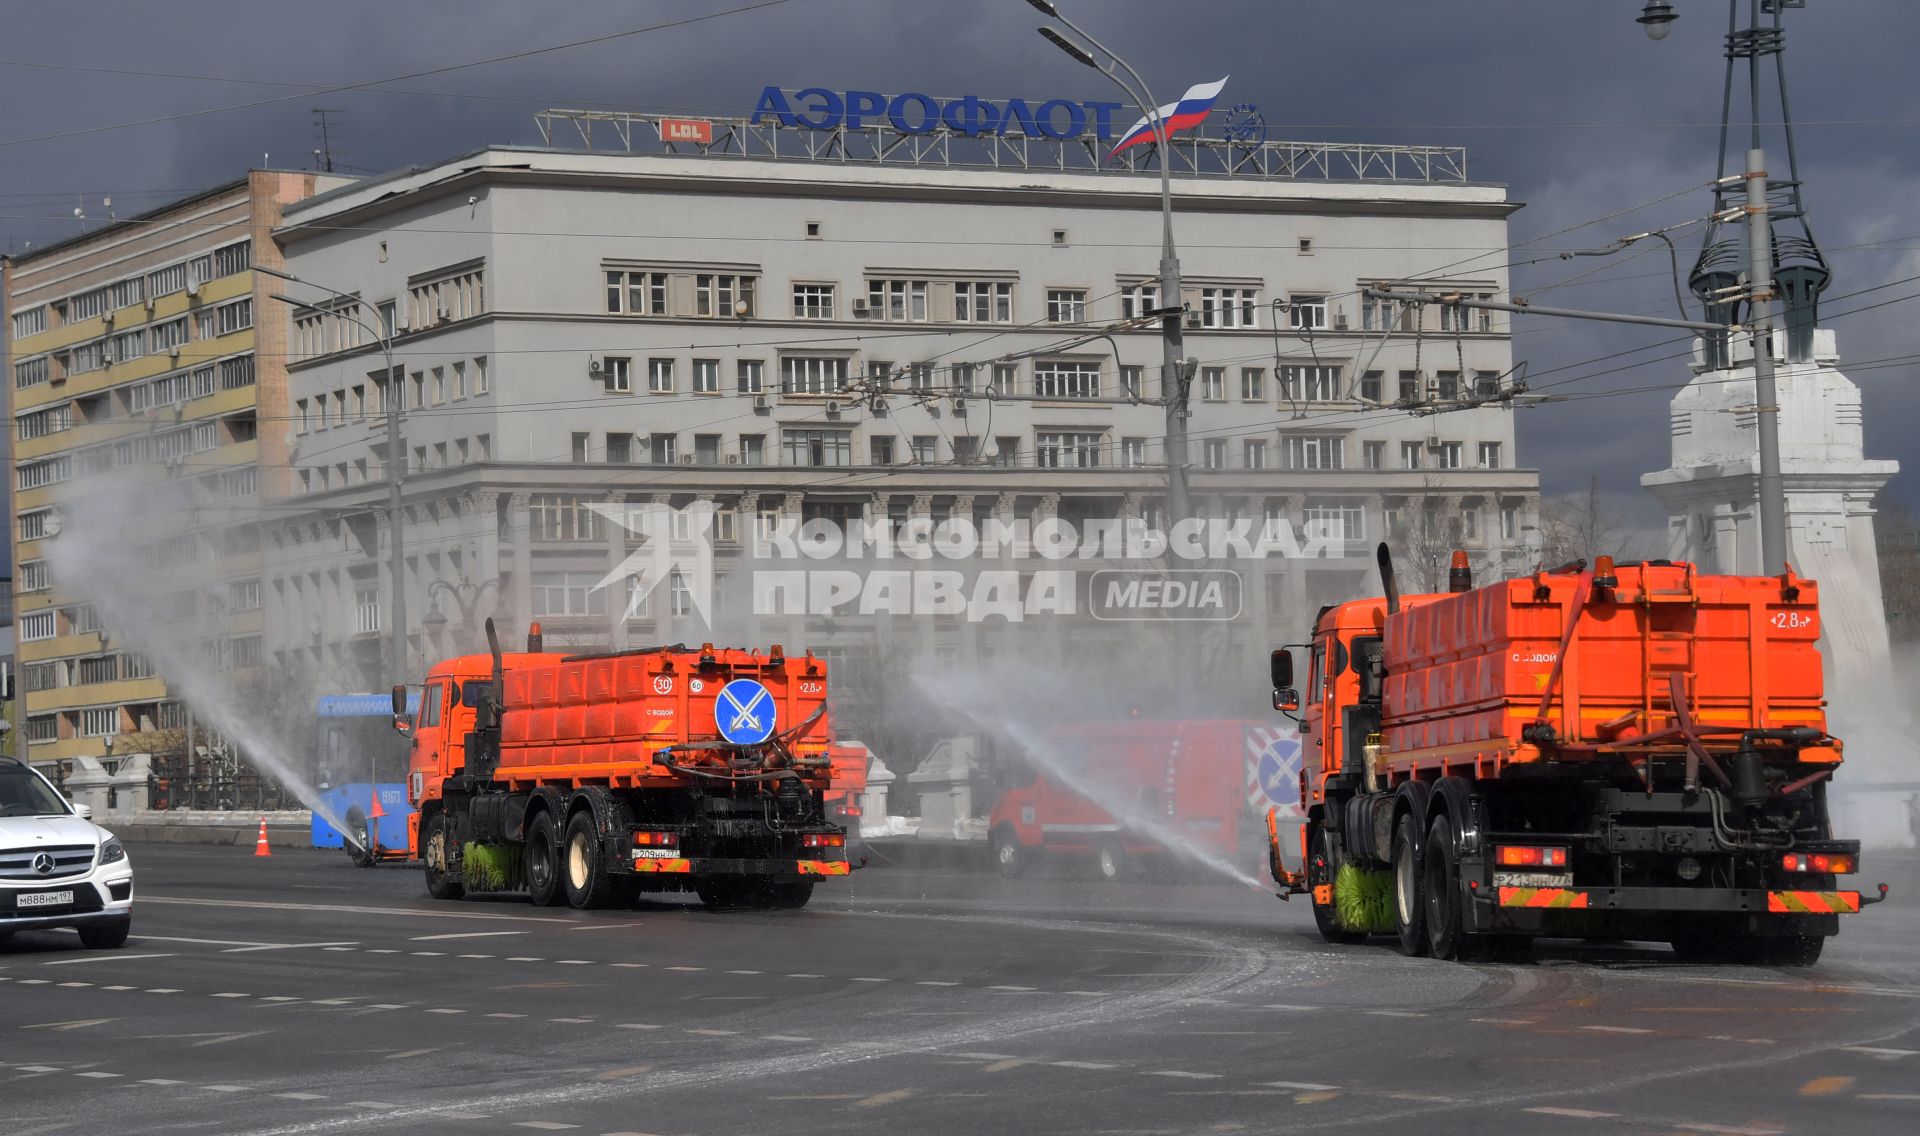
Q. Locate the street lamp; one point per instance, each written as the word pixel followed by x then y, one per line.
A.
pixel 466 594
pixel 1657 17
pixel 1173 376
pixel 394 402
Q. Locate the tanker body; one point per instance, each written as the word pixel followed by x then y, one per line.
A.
pixel 1630 752
pixel 586 779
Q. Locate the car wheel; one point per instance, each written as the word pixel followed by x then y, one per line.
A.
pixel 1409 914
pixel 436 851
pixel 1008 855
pixel 105 936
pixel 542 867
pixel 1445 935
pixel 582 871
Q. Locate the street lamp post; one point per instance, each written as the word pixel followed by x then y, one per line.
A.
pixel 392 404
pixel 1173 374
pixel 466 594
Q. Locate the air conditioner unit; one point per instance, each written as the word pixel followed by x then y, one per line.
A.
pixel 1193 319
pixel 593 365
pixel 149 305
pixel 1339 320
pixel 174 352
pixel 686 459
pixel 760 402
pixel 106 317
pixel 879 407
pixel 859 307
pixel 1433 441
pixel 733 459
pixel 959 408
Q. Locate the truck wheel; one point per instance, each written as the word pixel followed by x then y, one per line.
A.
pixel 1442 885
pixel 542 868
pixel 1409 910
pixel 1320 873
pixel 435 850
pixel 718 895
pixel 361 854
pixel 1703 940
pixel 1111 861
pixel 1008 855
pixel 582 871
pixel 1790 950
pixel 791 896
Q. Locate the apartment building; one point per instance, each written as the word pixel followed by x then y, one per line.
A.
pixel 140 384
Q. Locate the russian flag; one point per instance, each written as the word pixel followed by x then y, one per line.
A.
pixel 1189 112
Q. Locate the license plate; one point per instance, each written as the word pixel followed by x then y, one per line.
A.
pixel 44 899
pixel 1533 879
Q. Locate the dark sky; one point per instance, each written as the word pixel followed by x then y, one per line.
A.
pixel 1565 101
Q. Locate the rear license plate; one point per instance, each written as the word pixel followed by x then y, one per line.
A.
pixel 1533 879
pixel 44 899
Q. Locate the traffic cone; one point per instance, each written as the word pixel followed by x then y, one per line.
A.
pixel 260 846
pixel 374 811
pixel 374 815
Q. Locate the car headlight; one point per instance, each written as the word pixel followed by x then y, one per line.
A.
pixel 112 852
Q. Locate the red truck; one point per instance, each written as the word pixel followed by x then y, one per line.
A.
pixel 1631 751
pixel 585 779
pixel 1118 793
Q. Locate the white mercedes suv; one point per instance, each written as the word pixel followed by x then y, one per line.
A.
pixel 57 867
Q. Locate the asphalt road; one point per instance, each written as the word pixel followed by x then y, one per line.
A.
pixel 300 995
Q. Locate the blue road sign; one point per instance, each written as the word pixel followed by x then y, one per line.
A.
pixel 744 712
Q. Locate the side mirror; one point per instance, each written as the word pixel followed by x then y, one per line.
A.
pixel 399 701
pixel 1281 665
pixel 84 812
pixel 1286 699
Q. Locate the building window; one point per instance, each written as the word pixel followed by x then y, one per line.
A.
pixel 817 447
pixel 813 301
pixel 236 373
pixel 32 372
pixel 1133 452
pixel 706 451
pixel 35 576
pixel 1005 378
pixel 33 526
pixel 43 728
pixel 480 379
pixel 1370 386
pixel 751 375
pixel 1066 305
pixel 33 321
pixel 1255 452
pixel 1308 313
pixel 897 301
pixel 40 423
pixel 920 377
pixel 568 594
pixel 660 376
pixel 1470 524
pixel 1213 384
pixel 1136 300
pixel 1058 449
pixel 1006 451
pixel 563 517
pixel 1214 453
pixel 243 595
pixel 1130 380
pixel 926 449
pixel 880 449
pixel 813 374
pixel 1447 386
pixel 1376 454
pixel 617 371
pixel 86 305
pixel 1229 307
pixel 1337 520
pixel 637 293
pixel 723 296
pixel 36 626
pixel 1453 317
pixel 100 722
pixel 753 449
pixel 1447 455
pixel 231 259
pixel 962 377
pixel 1486 384
pixel 1057 379
pixel 663 448
pixel 101 668
pixel 1410 455
pixel 581 443
pixel 1409 387
pixel 1489 455
pixel 242 482
pixel 1253 384
pixel 619 448
pixel 1315 451
pixel 1310 384
pixel 456 297
pixel 979 301
pixel 33 475
pixel 229 318
pixel 1509 523
pixel 706 376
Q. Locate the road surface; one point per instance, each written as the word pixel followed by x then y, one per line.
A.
pixel 300 995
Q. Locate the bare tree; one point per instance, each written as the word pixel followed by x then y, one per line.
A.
pixel 1578 526
pixel 1897 532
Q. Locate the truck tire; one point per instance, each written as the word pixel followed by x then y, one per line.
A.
pixel 358 829
pixel 434 853
pixel 581 868
pixel 1320 872
pixel 1009 856
pixel 1409 908
pixel 718 895
pixel 1790 950
pixel 542 862
pixel 1110 861
pixel 790 896
pixel 1446 937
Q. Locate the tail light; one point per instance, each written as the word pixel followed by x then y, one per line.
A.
pixel 1529 856
pixel 645 839
pixel 823 840
pixel 1835 863
pixel 850 810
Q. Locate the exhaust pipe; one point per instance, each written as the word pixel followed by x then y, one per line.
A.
pixel 1387 586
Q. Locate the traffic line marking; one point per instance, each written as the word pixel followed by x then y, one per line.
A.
pixel 1503 1021
pixel 105 958
pixel 506 1015
pixel 382 951
pixel 1729 1130
pixel 571 1021
pixel 1826 1086
pixel 225 1088
pixel 463 935
pixel 643 966
pixel 878 1099
pixel 476 956
pixel 545 1125
pixel 783 1037
pixel 162 990
pixel 1888 1096
pixel 96 1073
pixel 74 985
pixel 119 988
pixel 715 1032
pixel 636 1026
pixel 687 968
pixel 1182 1073
pixel 386 1006
pixel 576 962
pixel 1880 1052
pixel 1301 1086
pixel 332 1001
pixel 806 976
pixel 1086 993
pixel 284 947
pixel 35 981
pixel 1082 1065
pixel 161 1081
pixel 1015 989
pixel 1396 1014
pixel 1285 1006
pixel 301 1096
pixel 232 995
pixel 1615 1029
pixel 729 972
pixel 428 954
pixel 349 950
pixel 936 984
pixel 525 958
pixel 873 980
pixel 279 998
pixel 443 1010
pixel 81 1023
pixel 1575 1113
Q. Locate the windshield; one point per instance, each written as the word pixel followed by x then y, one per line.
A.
pixel 23 794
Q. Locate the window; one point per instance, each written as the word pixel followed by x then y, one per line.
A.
pixel 33 475
pixel 1056 449
pixel 659 376
pixel 166 281
pixel 102 668
pixel 1453 317
pixel 679 595
pixel 1130 379
pixel 35 576
pixel 455 297
pixel 243 595
pixel 1308 312
pixel 1005 377
pixel 966 449
pixel 1315 451
pixel 86 305
pixel 817 447
pixel 812 374
pixel 1370 386
pixel 387 312
pixel 751 374
pixel 880 450
pixel 87 357
pixel 813 301
pixel 1489 455
pixel 237 316
pixel 485 442
pixel 1410 455
pixel 236 373
pixel 480 376
pixel 100 722
pixel 127 345
pixel 1213 453
pixel 1006 451
pixel 1066 305
pixel 1509 522
pixel 663 448
pixel 1375 315
pixel 439 385
pixel 581 443
pixel 637 293
pixel 33 321
pixel 753 449
pixel 962 377
pixel 32 372
pixel 568 594
pixel 1310 384
pixel 40 423
pixel 706 376
pixel 33 526
pixel 1376 454
pixel 202 381
pixel 977 301
pixel 40 676
pixel 1254 450
pixel 168 335
pixel 1057 379
pixel 1409 386
pixel 36 626
pixel 617 372
pixel 43 728
pixel 1486 384
pixel 231 259
pixel 706 449
pixel 1213 384
pixel 619 448
pixel 1253 384
pixel 926 449
pixel 1228 307
pixel 243 482
pixel 558 516
pixel 723 296
pixel 1136 300
pixel 1470 524
pixel 1447 455
pixel 1338 520
pixel 1447 386
pixel 920 377
pixel 897 300
pixel 1133 452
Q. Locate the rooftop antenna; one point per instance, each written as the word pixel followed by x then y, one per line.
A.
pixel 107 204
pixel 323 156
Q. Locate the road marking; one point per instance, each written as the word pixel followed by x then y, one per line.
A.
pixel 873 980
pixel 105 958
pixel 525 958
pixel 686 968
pixel 301 1096
pixel 1889 1096
pixel 1014 989
pixel 428 954
pixel 1575 1113
pixel 715 1032
pixel 348 949
pixel 1182 1073
pixel 283 947
pixel 386 1006
pixel 1742 1040
pixel 643 966
pixel 331 1001
pixel 81 1023
pixel 38 1069
pixel 570 1021
pixel 35 981
pixel 576 962
pixel 1396 1013
pixel 879 1099
pixel 1615 1029
pixel 406 1053
pixel 279 998
pixel 119 988
pixel 1877 1051
pixel 347 909
pixel 1082 1065
pixel 161 1081
pixel 446 1011
pixel 545 1125
pixel 370 1104
pixel 98 1074
pixel 463 935
pixel 162 990
pixel 1086 993
pixel 206 942
pixel 806 976
pixel 1826 1086
pixel 506 1015
pixel 1299 1086
pixel 729 972
pixel 636 1026
pixel 382 951
pixel 1285 1006
pixel 476 956
pixel 75 985
pixel 1728 1130
pixel 232 995
pixel 1503 1021
pixel 936 984
pixel 783 1037
pixel 225 1088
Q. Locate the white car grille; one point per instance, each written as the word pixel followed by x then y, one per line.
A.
pixel 62 859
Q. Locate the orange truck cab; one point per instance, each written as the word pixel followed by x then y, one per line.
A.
pixel 1120 792
pixel 585 779
pixel 1627 751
